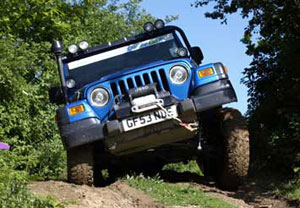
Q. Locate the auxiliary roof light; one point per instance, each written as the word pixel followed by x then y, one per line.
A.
pixel 159 24
pixel 148 27
pixel 182 52
pixel 70 83
pixel 83 45
pixel 73 49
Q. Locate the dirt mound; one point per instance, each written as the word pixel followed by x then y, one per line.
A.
pixel 253 194
pixel 114 196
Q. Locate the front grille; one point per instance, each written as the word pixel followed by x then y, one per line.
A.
pixel 158 77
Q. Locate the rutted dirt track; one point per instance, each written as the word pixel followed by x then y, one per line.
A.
pixel 117 195
pixel 121 195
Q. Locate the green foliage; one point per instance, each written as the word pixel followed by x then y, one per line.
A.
pixel 289 190
pixel 28 69
pixel 172 194
pixel 13 190
pixel 191 167
pixel 27 119
pixel 272 38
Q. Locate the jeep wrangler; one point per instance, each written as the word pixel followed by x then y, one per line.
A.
pixel 144 101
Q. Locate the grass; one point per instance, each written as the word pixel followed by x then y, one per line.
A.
pixel 14 192
pixel 176 194
pixel 279 185
pixel 290 190
pixel 181 167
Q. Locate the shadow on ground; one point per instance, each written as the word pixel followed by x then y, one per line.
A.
pixel 254 192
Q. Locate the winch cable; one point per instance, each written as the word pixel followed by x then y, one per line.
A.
pixel 189 126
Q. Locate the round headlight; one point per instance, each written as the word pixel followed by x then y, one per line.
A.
pixel 148 27
pixel 83 45
pixel 73 48
pixel 70 83
pixel 159 24
pixel 99 97
pixel 178 74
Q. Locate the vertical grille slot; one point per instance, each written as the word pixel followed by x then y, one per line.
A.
pixel 122 87
pixel 138 81
pixel 164 79
pixel 158 76
pixel 114 88
pixel 155 80
pixel 130 83
pixel 146 79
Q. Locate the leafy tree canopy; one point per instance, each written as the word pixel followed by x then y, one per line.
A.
pixel 28 68
pixel 272 37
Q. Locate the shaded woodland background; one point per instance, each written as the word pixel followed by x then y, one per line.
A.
pixel 272 38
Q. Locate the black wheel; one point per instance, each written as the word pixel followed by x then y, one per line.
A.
pixel 81 169
pixel 226 155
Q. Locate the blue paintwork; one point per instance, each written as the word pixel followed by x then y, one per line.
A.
pixel 181 92
pixel 66 73
pixel 197 81
pixel 88 111
pixel 101 112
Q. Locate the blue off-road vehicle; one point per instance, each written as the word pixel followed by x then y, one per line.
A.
pixel 145 101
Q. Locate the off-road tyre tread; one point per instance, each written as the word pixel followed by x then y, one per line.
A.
pixel 80 165
pixel 235 164
pixel 81 174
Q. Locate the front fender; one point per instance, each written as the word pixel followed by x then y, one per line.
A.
pixel 219 72
pixel 212 90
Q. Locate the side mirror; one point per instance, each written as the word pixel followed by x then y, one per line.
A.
pixel 197 55
pixel 56 95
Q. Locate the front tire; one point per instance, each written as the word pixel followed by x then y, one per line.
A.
pixel 229 138
pixel 235 164
pixel 81 168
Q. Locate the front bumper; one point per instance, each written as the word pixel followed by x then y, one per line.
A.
pixel 213 95
pixel 119 142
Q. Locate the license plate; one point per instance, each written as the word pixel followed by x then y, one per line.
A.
pixel 149 118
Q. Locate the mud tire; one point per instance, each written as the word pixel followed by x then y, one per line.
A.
pixel 236 156
pixel 227 156
pixel 80 165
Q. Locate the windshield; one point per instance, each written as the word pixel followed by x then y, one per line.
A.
pixel 94 67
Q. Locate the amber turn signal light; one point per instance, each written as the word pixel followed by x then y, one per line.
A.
pixel 205 72
pixel 76 109
pixel 226 69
